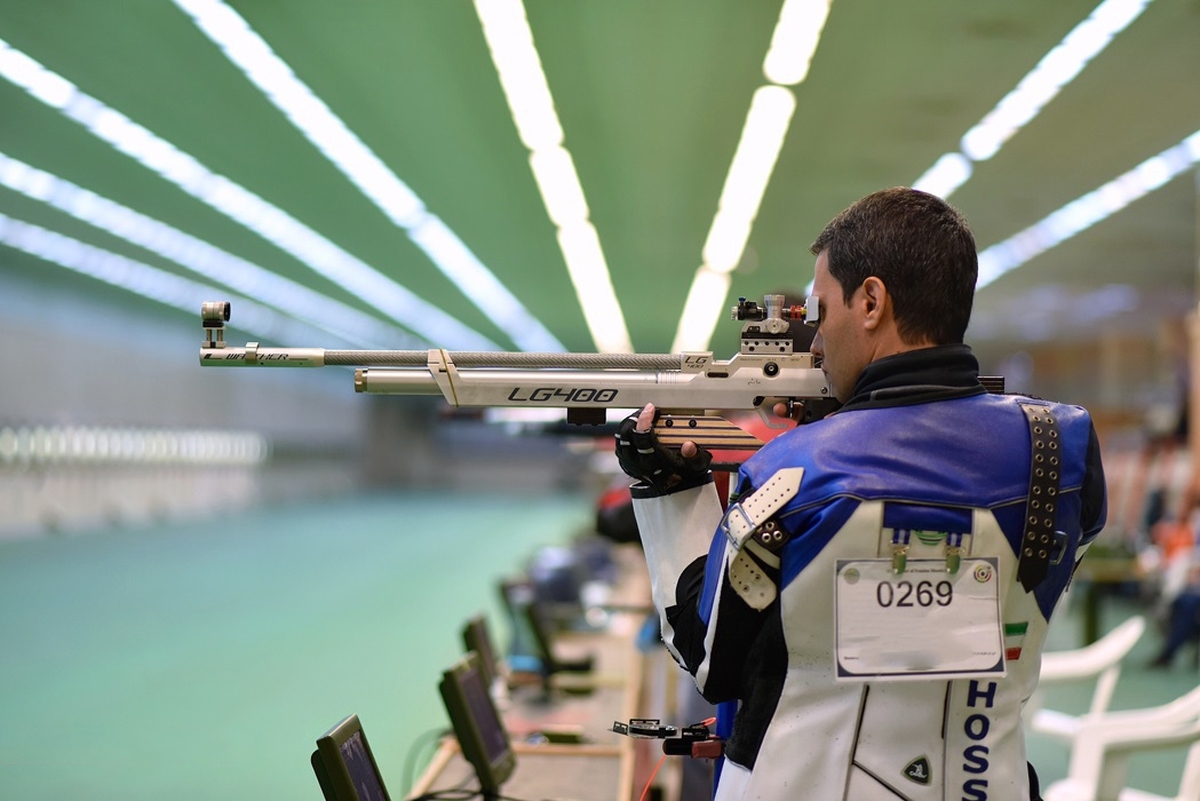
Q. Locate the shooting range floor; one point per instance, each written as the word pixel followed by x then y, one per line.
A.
pixel 201 660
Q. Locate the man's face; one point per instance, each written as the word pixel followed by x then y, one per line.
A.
pixel 840 342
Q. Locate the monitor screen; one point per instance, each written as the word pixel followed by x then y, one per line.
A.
pixel 477 637
pixel 477 725
pixel 344 765
pixel 524 653
pixel 534 633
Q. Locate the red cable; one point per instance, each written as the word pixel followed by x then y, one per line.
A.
pixel 650 781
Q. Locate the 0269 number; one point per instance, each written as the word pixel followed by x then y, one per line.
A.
pixel 906 593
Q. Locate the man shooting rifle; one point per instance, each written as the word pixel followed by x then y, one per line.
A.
pixel 876 597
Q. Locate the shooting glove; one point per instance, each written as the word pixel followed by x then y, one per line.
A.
pixel 643 457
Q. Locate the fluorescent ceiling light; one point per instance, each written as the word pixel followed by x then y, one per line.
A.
pixel 758 149
pixel 795 40
pixel 705 305
pixel 333 138
pixel 584 257
pixel 1051 311
pixel 1056 69
pixel 142 279
pixel 1016 109
pixel 793 44
pixel 948 173
pixel 510 40
pixel 241 205
pixel 345 322
pixel 554 172
pixel 1086 211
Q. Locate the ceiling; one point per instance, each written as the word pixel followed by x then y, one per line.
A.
pixel 652 98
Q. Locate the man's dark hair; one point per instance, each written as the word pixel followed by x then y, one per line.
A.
pixel 922 250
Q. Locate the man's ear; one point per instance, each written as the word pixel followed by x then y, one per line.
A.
pixel 877 303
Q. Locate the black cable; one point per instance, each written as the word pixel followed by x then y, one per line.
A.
pixel 447 795
pixel 460 793
pixel 410 760
pixel 456 793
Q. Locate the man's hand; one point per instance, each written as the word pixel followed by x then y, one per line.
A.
pixel 642 456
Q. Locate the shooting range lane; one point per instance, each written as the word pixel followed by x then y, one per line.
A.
pixel 202 660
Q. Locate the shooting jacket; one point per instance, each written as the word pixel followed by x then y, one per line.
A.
pixel 921 447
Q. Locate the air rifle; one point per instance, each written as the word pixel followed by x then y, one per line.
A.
pixel 688 388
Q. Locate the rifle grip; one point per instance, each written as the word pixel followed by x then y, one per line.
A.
pixel 707 431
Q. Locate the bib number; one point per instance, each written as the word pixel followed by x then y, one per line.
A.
pixel 921 623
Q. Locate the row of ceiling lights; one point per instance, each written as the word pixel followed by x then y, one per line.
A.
pixel 792 46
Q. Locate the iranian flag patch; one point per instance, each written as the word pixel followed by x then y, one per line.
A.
pixel 1014 638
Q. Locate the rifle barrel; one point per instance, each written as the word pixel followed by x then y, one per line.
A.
pixel 509 360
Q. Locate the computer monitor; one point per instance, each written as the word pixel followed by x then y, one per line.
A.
pixel 523 653
pixel 345 766
pixel 477 725
pixel 534 633
pixel 543 630
pixel 476 636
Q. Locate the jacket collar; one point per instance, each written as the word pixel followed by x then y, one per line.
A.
pixel 917 376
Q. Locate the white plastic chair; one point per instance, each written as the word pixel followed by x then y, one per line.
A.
pixel 1189 784
pixel 1100 661
pixel 1100 759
